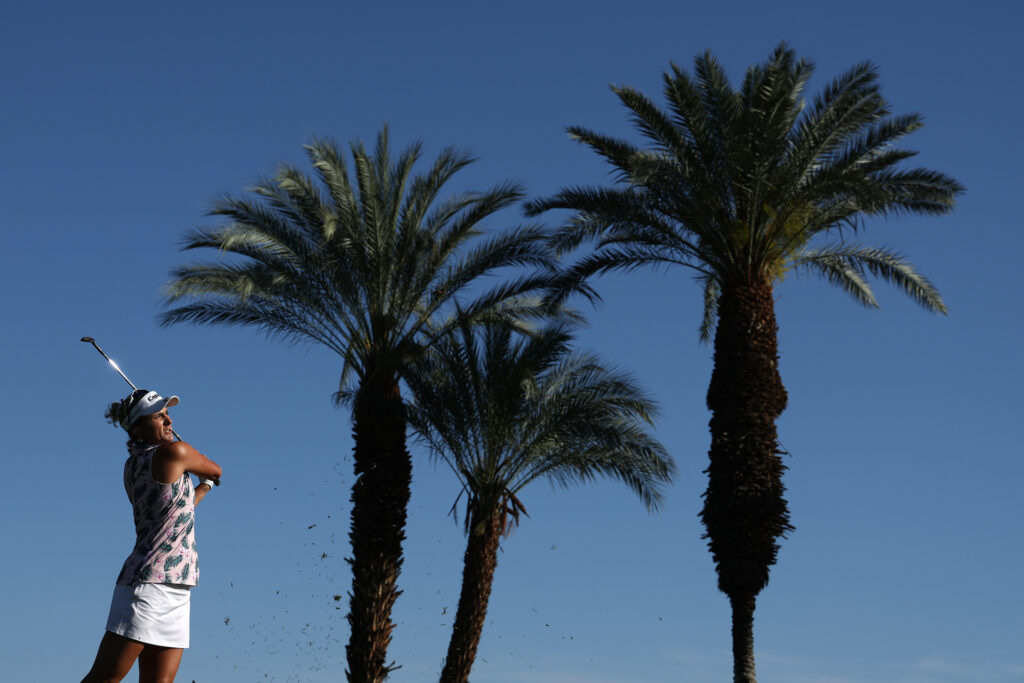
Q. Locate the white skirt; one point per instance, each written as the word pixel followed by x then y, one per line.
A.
pixel 152 613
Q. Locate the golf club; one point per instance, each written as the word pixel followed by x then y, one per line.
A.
pixel 90 340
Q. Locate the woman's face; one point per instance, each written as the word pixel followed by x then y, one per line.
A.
pixel 154 428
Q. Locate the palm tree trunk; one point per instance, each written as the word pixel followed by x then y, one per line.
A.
pixel 380 497
pixel 743 670
pixel 479 564
pixel 744 509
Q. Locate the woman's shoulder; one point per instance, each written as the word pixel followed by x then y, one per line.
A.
pixel 176 450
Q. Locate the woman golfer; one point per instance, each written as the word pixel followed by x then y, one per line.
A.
pixel 149 613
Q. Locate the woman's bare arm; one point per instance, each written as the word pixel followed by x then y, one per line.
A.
pixel 174 459
pixel 200 493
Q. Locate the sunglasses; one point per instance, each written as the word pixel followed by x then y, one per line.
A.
pixel 133 399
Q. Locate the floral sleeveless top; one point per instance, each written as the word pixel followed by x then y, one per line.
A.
pixel 165 543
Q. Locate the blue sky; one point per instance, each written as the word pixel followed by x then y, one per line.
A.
pixel 122 121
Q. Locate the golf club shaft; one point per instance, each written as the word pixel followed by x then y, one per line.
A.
pixel 92 341
pixel 109 360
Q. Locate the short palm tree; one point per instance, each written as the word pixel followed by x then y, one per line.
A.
pixel 503 412
pixel 744 186
pixel 376 267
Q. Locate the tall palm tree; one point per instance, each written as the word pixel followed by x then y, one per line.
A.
pixel 376 267
pixel 743 186
pixel 502 413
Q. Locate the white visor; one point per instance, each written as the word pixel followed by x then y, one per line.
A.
pixel 150 404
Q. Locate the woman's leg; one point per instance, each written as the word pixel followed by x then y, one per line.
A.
pixel 159 664
pixel 114 659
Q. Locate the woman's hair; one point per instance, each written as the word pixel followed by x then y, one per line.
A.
pixel 119 410
pixel 115 413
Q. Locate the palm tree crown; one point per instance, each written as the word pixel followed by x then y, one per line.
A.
pixel 503 412
pixel 736 184
pixel 370 267
pixel 376 266
pixel 741 186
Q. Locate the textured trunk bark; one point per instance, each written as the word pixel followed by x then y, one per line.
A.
pixel 745 511
pixel 743 670
pixel 481 559
pixel 380 497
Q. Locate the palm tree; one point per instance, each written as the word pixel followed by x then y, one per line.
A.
pixel 376 268
pixel 502 413
pixel 742 187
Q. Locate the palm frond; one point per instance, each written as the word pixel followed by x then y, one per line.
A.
pixel 840 272
pixel 846 264
pixel 711 294
pixel 650 120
